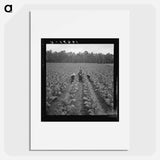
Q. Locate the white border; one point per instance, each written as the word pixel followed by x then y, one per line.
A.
pixel 79 135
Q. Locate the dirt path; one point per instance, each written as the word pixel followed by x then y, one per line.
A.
pixel 96 103
pixel 78 102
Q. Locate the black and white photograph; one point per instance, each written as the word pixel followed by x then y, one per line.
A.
pixel 80 79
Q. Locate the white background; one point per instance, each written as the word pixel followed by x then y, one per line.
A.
pixel 144 80
pixel 79 24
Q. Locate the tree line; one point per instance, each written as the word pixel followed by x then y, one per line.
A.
pixel 81 57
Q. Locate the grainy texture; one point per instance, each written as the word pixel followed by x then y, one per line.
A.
pixel 67 94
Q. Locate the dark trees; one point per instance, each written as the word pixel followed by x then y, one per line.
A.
pixel 84 57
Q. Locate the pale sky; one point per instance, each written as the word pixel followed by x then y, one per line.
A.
pixel 95 48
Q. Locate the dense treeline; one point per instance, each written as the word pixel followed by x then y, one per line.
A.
pixel 83 57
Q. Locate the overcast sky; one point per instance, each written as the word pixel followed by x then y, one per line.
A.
pixel 95 48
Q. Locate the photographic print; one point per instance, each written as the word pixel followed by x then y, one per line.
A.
pixel 80 79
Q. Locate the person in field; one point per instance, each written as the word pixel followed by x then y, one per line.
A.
pixel 88 76
pixel 73 77
pixel 80 75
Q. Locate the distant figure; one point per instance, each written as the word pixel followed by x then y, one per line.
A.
pixel 80 75
pixel 88 76
pixel 73 77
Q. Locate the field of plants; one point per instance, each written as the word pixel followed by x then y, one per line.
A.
pixel 91 96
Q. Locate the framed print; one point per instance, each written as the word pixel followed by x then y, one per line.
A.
pixel 79 80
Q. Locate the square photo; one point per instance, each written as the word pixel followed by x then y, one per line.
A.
pixel 80 79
